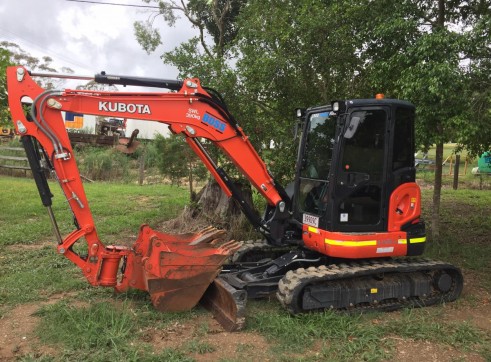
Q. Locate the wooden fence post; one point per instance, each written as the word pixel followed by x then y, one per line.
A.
pixel 141 169
pixel 456 172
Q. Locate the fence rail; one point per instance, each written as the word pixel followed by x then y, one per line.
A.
pixel 14 162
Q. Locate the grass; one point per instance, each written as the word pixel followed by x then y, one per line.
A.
pixel 27 222
pixel 369 337
pixel 465 228
pixel 93 324
pixel 340 335
pixel 35 275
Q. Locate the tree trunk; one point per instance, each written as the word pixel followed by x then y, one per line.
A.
pixel 192 196
pixel 141 168
pixel 437 191
pixel 214 202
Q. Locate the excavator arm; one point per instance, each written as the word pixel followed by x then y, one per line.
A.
pixel 175 269
pixel 189 111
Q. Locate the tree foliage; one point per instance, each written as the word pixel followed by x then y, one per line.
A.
pixel 94 86
pixel 13 54
pixel 474 130
pixel 293 54
pixel 216 18
pixel 177 161
pixel 426 51
pixel 4 105
pixel 19 56
pixel 206 56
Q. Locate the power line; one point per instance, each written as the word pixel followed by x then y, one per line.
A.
pixel 114 4
pixel 42 50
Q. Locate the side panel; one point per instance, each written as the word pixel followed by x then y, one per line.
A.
pixel 355 246
pixel 404 206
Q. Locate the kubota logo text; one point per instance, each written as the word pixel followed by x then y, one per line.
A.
pixel 124 107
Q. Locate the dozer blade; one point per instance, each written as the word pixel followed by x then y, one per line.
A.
pixel 226 303
pixel 177 269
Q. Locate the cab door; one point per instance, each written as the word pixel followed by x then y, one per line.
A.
pixel 360 187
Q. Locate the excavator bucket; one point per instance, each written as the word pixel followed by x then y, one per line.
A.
pixel 177 269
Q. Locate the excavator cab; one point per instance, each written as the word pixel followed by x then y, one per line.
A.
pixel 343 172
pixel 353 156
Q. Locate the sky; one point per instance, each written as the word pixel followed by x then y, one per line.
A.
pixel 90 38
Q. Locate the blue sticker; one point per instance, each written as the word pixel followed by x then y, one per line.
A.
pixel 214 122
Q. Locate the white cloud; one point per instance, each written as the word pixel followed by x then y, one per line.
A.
pixel 89 38
pixel 92 26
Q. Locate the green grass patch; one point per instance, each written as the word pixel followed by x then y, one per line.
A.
pixel 35 274
pixel 94 324
pixel 342 336
pixel 367 337
pixel 430 325
pixel 118 209
pixel 104 331
pixel 98 326
pixel 199 347
pixel 464 230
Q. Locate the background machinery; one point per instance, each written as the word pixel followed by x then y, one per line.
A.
pixel 7 132
pixel 483 164
pixel 354 205
pixel 111 126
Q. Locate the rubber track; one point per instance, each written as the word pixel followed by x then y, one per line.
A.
pixel 291 286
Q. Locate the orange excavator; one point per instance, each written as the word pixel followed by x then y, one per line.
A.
pixel 336 238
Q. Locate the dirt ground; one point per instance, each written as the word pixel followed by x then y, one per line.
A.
pixel 17 336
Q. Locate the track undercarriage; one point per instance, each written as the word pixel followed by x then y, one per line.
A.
pixel 305 281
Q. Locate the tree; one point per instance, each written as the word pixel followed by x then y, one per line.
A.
pixel 206 56
pixel 177 161
pixel 92 85
pixel 19 56
pixel 4 105
pixel 293 54
pixel 475 128
pixel 289 54
pixel 417 50
pixel 213 17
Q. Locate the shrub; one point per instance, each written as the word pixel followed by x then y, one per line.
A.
pixel 103 163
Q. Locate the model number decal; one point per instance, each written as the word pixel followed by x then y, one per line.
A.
pixel 193 113
pixel 214 122
pixel 311 220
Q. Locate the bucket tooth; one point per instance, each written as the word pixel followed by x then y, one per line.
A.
pixel 207 235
